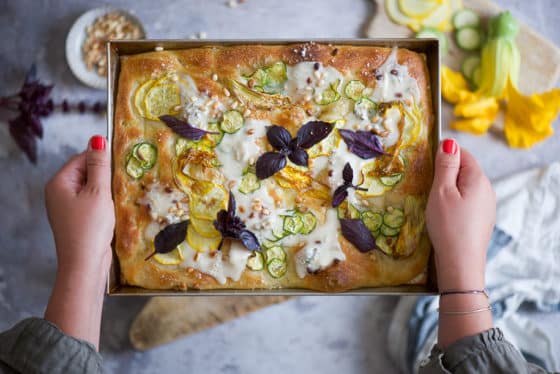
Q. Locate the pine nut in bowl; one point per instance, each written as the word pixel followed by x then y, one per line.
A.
pixel 85 44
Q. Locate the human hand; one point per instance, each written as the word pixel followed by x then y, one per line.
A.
pixel 80 211
pixel 460 216
pixel 81 214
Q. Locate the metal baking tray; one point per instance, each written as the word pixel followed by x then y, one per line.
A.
pixel 115 49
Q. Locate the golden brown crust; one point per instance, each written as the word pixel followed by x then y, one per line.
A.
pixel 371 269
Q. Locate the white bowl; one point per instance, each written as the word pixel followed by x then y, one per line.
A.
pixel 75 40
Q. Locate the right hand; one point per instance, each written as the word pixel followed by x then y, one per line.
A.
pixel 460 216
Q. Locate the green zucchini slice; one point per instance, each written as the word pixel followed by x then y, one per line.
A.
pixel 309 222
pixel 276 268
pixel 255 261
pixel 134 168
pixel 146 154
pixel 364 108
pixel 391 180
pixel 275 252
pixel 389 231
pixel 215 138
pixel 231 122
pixel 330 94
pixel 394 219
pixel 469 38
pixel 372 220
pixel 469 65
pixel 354 89
pixel 465 18
pixel 293 224
pixel 249 183
pixel 270 79
pixel 385 244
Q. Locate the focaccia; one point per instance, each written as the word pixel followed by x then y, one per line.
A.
pixel 375 104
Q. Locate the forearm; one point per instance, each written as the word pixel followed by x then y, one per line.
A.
pixel 76 303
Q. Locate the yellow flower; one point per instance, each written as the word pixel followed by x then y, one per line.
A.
pixel 479 112
pixel 454 87
pixel 476 126
pixel 528 119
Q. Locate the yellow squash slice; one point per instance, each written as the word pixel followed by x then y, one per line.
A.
pixel 175 257
pixel 412 125
pixel 207 205
pixel 161 99
pixel 201 243
pixel 397 16
pixel 140 94
pixel 440 18
pixel 292 178
pixel 204 227
pixel 326 146
pixel 417 8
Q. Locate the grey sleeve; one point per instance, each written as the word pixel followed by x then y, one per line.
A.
pixel 487 352
pixel 35 345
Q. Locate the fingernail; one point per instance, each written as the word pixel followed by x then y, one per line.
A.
pixel 97 143
pixel 449 146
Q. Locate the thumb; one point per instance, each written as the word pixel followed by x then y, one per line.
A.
pixel 98 164
pixel 448 162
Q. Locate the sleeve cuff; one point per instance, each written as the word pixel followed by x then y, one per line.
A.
pixel 37 345
pixel 488 351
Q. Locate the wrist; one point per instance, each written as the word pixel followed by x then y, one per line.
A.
pixel 86 279
pixel 459 277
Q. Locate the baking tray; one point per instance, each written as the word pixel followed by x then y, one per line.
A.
pixel 429 47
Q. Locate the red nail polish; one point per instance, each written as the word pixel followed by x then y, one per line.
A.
pixel 97 142
pixel 449 146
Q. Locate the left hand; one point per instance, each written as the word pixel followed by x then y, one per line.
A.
pixel 81 213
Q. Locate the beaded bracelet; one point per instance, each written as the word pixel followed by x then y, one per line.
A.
pixel 459 312
pixel 463 292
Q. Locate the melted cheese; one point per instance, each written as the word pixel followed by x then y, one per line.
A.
pixel 338 160
pixel 216 264
pixel 322 247
pixel 304 80
pixel 164 204
pixel 238 150
pixel 391 124
pixel 399 86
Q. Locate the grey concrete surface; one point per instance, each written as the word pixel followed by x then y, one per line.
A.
pixel 312 334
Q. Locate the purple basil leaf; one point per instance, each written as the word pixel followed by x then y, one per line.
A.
pixel 221 221
pixel 363 144
pixel 339 195
pixel 356 232
pixel 170 237
pixel 231 226
pixel 312 133
pixel 231 206
pixel 183 128
pixel 347 174
pixel 299 157
pixel 35 125
pixel 24 137
pixel 278 137
pixel 269 163
pixel 347 135
pixel 249 240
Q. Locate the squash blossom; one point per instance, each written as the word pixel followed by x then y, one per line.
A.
pixel 528 119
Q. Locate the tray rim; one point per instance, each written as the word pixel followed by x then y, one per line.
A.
pixel 428 46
